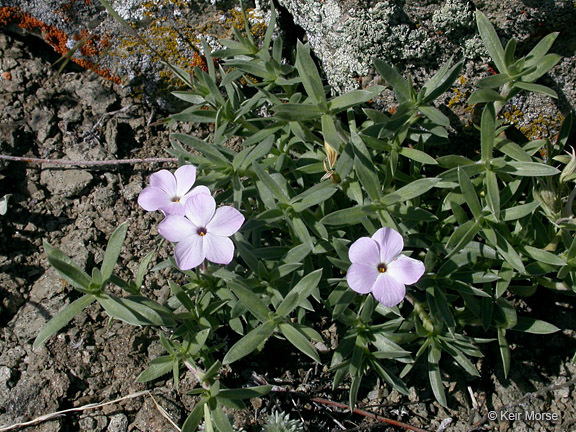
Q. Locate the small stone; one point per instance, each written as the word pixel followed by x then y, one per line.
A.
pixel 118 423
pixel 66 182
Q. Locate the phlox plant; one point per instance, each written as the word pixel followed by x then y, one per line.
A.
pixel 335 212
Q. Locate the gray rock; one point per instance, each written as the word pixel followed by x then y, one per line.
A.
pixel 42 121
pixel 66 182
pixel 118 423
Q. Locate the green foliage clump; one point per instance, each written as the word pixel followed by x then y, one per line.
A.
pixel 316 173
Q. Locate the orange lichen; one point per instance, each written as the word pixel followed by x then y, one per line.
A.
pixel 56 38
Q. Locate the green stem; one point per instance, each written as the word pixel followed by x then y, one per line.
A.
pixel 422 314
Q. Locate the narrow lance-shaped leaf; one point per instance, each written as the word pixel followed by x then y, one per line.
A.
pixel 469 193
pixel 250 342
pixel 491 41
pixel 67 268
pixel 299 341
pixel 300 292
pixel 487 131
pixel 492 193
pixel 113 251
pixel 435 376
pixel 62 319
pixel 310 77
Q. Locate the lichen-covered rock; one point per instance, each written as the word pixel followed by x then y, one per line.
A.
pixel 420 36
pixel 167 31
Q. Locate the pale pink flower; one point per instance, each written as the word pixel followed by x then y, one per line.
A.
pixel 203 233
pixel 169 192
pixel 378 267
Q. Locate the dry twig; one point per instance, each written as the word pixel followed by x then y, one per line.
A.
pixel 66 411
pixel 67 162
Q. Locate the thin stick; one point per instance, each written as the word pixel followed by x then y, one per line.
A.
pixel 355 410
pixel 61 413
pixel 368 414
pixel 87 163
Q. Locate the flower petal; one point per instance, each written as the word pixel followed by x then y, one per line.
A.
pixel 226 221
pixel 219 250
pixel 176 228
pixel 364 251
pixel 388 291
pixel 165 181
pixel 190 252
pixel 194 191
pixel 406 270
pixel 200 209
pixel 185 178
pixel 391 244
pixel 361 277
pixel 152 198
pixel 173 208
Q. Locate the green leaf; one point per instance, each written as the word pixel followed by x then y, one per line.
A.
pixel 410 191
pixel 542 66
pixel 435 376
pixel 353 98
pixel 193 420
pixel 221 420
pixel 462 236
pixel 509 52
pixel 245 393
pixel 208 150
pixel 310 198
pixel 491 41
pixel 536 88
pixel 329 132
pixel 256 153
pixel 504 351
pixel 348 216
pixel 158 367
pixel 62 319
pixel 401 87
pixel 310 77
pixel 528 169
pixel 189 96
pixel 270 184
pixel 435 115
pixel 299 341
pixel 487 131
pixel 67 268
pixel 136 310
pixel 250 342
pixel 492 193
pixel 544 256
pixel 485 96
pixel 251 301
pixel 299 293
pixel 113 251
pixel 441 81
pixel 534 326
pixel 418 156
pixel 494 81
pixel 142 268
pixel 297 112
pixel 389 377
pixel 469 193
pixel 539 51
pixel 364 168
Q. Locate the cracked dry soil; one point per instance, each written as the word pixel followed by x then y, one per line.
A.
pixel 78 115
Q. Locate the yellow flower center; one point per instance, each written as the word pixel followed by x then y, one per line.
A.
pixel 382 268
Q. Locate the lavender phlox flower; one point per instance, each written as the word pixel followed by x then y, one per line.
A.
pixel 203 232
pixel 169 192
pixel 379 267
